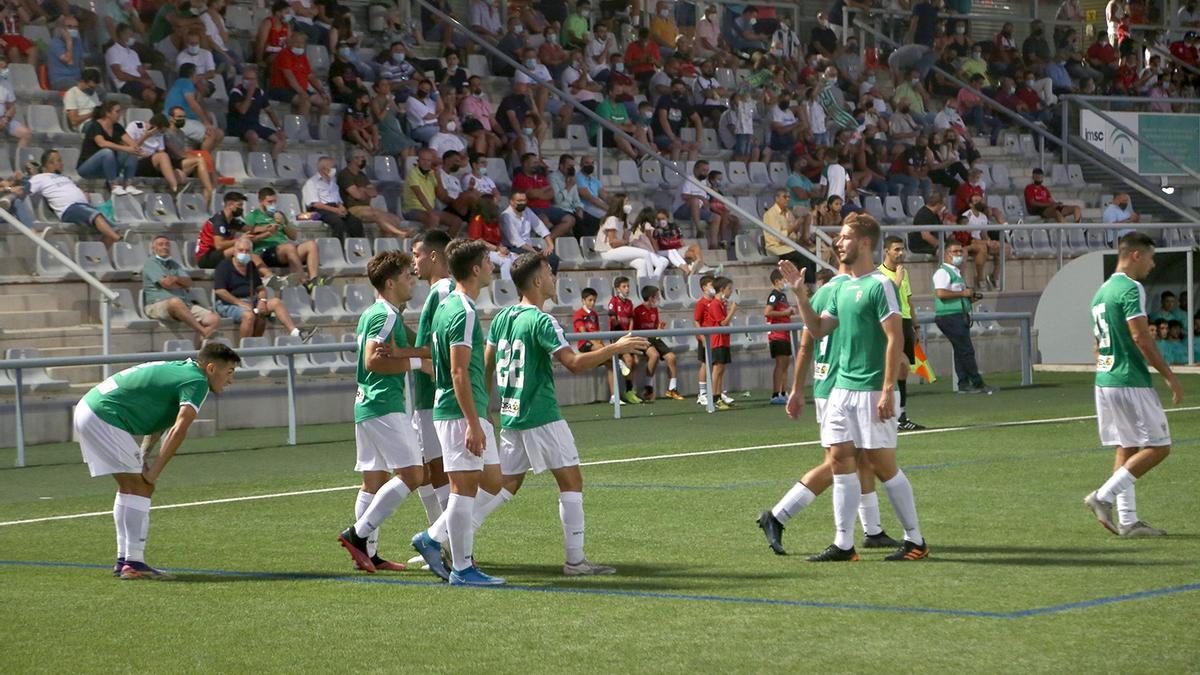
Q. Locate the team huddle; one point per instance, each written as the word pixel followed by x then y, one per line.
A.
pixel 442 444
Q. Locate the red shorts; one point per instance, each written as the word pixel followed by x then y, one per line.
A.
pixel 17 42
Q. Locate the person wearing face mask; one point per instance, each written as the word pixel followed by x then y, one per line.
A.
pixel 344 79
pixel 81 99
pixel 247 102
pixel 200 57
pixel 274 239
pixel 423 190
pixel 566 196
pixel 220 232
pixel 293 79
pixel 744 35
pixel 538 91
pixel 447 138
pixel 273 33
pixel 186 92
pixel 643 57
pixel 577 26
pixel 514 109
pixel 953 300
pixel 242 297
pixel 708 32
pixel 477 122
pixel 477 178
pixel 670 114
pixel 663 30
pixel 519 224
pixel 911 93
pixel 357 192
pixel 166 291
pixel 64 59
pixel 613 241
pixel 125 69
pixel 533 180
pixel 1120 212
pixel 398 70
pixel 422 111
pixel 458 201
pixel 1039 202
pixel 972 110
pixel 321 195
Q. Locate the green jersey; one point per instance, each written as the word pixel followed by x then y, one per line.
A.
pixel 455 324
pixel 378 393
pixel 1120 363
pixel 525 339
pixel 948 278
pixel 826 351
pixel 259 218
pixel 145 399
pixel 860 305
pixel 423 388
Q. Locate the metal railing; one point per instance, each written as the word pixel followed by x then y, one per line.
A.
pixel 291 352
pixel 1086 103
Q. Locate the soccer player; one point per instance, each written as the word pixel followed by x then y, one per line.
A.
pixel 586 320
pixel 158 400
pixel 861 411
pixel 383 431
pixel 779 311
pixel 819 478
pixel 522 343
pixel 892 268
pixel 620 317
pixel 460 418
pixel 698 313
pixel 719 313
pixel 429 257
pixel 645 317
pixel 1128 411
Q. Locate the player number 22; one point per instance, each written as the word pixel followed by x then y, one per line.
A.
pixel 510 362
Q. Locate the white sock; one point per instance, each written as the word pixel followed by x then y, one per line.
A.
pixel 793 502
pixel 703 389
pixel 458 525
pixel 570 512
pixel 295 332
pixel 1127 506
pixel 847 493
pixel 119 522
pixel 673 385
pixel 1115 485
pixel 437 531
pixel 486 503
pixel 443 495
pixel 361 503
pixel 386 501
pixel 900 494
pixel 868 513
pixel 135 515
pixel 433 506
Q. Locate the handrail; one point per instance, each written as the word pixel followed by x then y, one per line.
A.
pixel 1115 167
pixel 652 151
pixel 1155 49
pixel 86 276
pixel 1153 148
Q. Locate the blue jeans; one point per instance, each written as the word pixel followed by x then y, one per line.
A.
pixel 107 164
pixel 958 331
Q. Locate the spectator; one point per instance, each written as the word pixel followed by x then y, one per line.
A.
pixel 108 152
pixel 216 35
pixel 153 159
pixel 422 191
pixel 566 197
pixel 1175 351
pixel 739 119
pixel 744 35
pixel 477 122
pixel 242 297
pixel 922 29
pixel 513 111
pixel 910 98
pixel 322 196
pixel 953 300
pixel 615 242
pixel 275 242
pixel 777 310
pixel 534 182
pixel 668 241
pixel 780 217
pixel 729 222
pixel 592 194
pixel 642 57
pixel 978 243
pixel 970 107
pixel 66 200
pixel 586 320
pixel 344 79
pixel 478 179
pixel 293 81
pixel 1039 202
pixel 485 20
pixel 358 128
pixel 485 226
pixel 357 193
pixel 576 80
pixel 446 139
pixel 1169 309
pixel 1102 56
pixel 165 293
pixel 64 60
pixel 670 113
pixel 511 42
pixel 201 58
pixel 8 110
pixel 199 125
pixel 1060 79
pixel 459 201
pixel 221 231
pixel 1024 101
pixel 386 113
pixel 1035 49
pixel 785 124
pixel 577 26
pixel 692 202
pixel 517 225
pixel 125 68
pixel 182 157
pixel 115 14
pixel 1186 50
pixel 599 51
pixel 616 113
pixel 720 312
pixel 931 213
pixel 395 67
pixel 1120 212
pixel 663 30
pixel 247 103
pixel 620 318
pixel 975 186
pixel 801 189
pixel 708 31
pixel 82 100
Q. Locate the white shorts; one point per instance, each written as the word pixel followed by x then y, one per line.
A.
pixel 431 448
pixel 851 416
pixel 821 404
pixel 452 434
pixel 386 443
pixel 550 446
pixel 106 449
pixel 1131 417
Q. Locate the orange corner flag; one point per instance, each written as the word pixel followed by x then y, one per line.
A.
pixel 922 367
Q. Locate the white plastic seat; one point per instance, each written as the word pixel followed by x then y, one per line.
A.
pixel 289 204
pixel 498 172
pixel 229 163
pixel 127 209
pixel 759 175
pixel 1000 178
pixel 178 345
pixel 43 119
pixel 893 209
pixel 290 166
pixel 914 204
pixel 382 244
pixel 385 170
pixel 296 128
pixel 128 258
pixel 303 362
pixel 738 175
pixel 265 366
pixel 49 266
pixel 1075 176
pixel 260 165
pixel 330 251
pixel 161 208
pixel 299 305
pixel 631 177
pixel 778 172
pixel 318 58
pixel 33 379
pixel 568 292
pixel 93 258
pixel 652 174
pixel 327 303
pixel 577 135
pixel 1014 210
pixel 570 255
pixel 747 249
pixel 123 311
pixel 191 208
pixel 1059 176
pixel 24 80
pixel 591 259
pixel 874 206
pixel 358 252
pixel 674 291
pixel 329 128
pixel 504 291
pixel 358 298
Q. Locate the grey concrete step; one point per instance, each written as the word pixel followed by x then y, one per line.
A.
pixel 53 318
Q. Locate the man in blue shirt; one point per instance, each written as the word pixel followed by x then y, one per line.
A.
pixel 1060 79
pixel 66 55
pixel 200 127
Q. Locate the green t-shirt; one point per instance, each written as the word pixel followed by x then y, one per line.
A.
pixel 825 355
pixel 145 399
pixel 612 111
pixel 905 290
pixel 797 180
pixel 573 30
pixel 455 324
pixel 379 394
pixel 423 389
pixel 526 339
pixel 258 218
pixel 951 280
pixel 1120 363
pixel 860 306
pixel 1176 314
pixel 154 271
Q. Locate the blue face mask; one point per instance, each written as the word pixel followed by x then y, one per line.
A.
pixel 243 258
pixel 271 209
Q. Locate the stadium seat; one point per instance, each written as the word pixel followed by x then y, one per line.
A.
pixel 709 143
pixel 420 291
pixel 652 174
pixel 631 177
pixel 123 312
pixel 299 305
pixel 127 209
pixel 161 208
pixel 178 345
pixel 93 258
pixel 265 366
pixel 749 205
pixel 1000 179
pixel 739 175
pixel 1076 243
pixel 1075 176
pixel 914 204
pixel 24 81
pixel 994 202
pixel 484 303
pixel 757 338
pixel 304 363
pixel 739 340
pixel 1029 146
pixel 318 58
pixel 1059 176
pixel 191 208
pixel 568 292
pixel 570 255
pixel 157 77
pixel 1043 246
pixel 778 172
pixel 760 177
pixel 747 249
pixel 498 172
pixel 128 258
pixel 260 165
pixel 386 171
pixel 893 209
pixel 33 379
pixel 674 291
pixel 577 135
pixel 358 252
pixel 219 92
pixel 504 291
pixel 874 206
pixel 49 266
pixel 329 128
pixel 328 303
pixel 1097 239
pixel 358 298
pixel 1014 209
pixel 137 115
pixel 231 165
pixel 290 166
pixel 332 259
pixel 680 343
pixel 693 287
pixel 43 119
pixel 591 259
pixel 289 204
pixel 296 128
pixel 478 64
pixel 382 244
pixel 603 288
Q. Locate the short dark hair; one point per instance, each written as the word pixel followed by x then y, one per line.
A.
pixel 266 192
pixel 525 268
pixel 589 292
pixel 706 280
pixel 649 293
pixel 159 121
pixel 776 275
pixel 463 255
pixel 1133 241
pixel 434 240
pixel 90 75
pixel 47 154
pixel 620 280
pixel 216 352
pixel 721 283
pixel 187 70
pixel 386 265
pixel 892 239
pixel 1165 294
pixel 234 196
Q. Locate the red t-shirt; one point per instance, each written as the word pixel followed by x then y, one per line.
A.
pixel 713 316
pixel 698 314
pixel 524 183
pixel 778 301
pixel 1126 76
pixel 1181 51
pixel 586 321
pixel 645 317
pixel 286 60
pixel 641 58
pixel 1030 98
pixel 962 196
pixel 620 313
pixel 1036 193
pixel 479 229
pixel 1104 53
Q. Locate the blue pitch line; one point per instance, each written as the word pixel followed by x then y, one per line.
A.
pixel 652 595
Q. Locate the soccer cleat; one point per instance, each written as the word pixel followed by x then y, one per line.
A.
pixel 120 564
pixel 773 530
pixel 881 540
pixel 306 334
pixel 702 400
pixel 834 554
pixel 779 399
pixel 473 576
pixel 648 394
pixel 631 397
pixel 134 569
pixel 1140 529
pixel 356 546
pixel 906 424
pixel 910 551
pixel 584 568
pixel 722 405
pixel 727 398
pixel 385 565
pixel 674 395
pixel 614 399
pixel 1102 511
pixel 431 551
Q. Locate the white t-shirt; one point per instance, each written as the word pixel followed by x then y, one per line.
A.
pixel 203 60
pixel 596 54
pixel 541 75
pixel 124 59
pixel 816 117
pixel 306 4
pixel 744 121
pixel 137 130
pixel 835 178
pixel 484 184
pixel 75 99
pixel 687 189
pixel 726 128
pixel 7 98
pixel 610 224
pixel 59 191
pixel 417 111
pixel 784 117
pixel 570 76
pixel 703 83
pixel 213 30
pixel 941 280
pixel 451 184
pixel 441 143
pixel 948 119
pixel 977 222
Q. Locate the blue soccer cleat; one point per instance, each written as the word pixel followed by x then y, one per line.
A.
pixel 473 576
pixel 431 552
pixel 120 565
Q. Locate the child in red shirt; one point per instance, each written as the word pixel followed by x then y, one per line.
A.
pixel 698 312
pixel 586 320
pixel 645 317
pixel 620 317
pixel 779 311
pixel 719 313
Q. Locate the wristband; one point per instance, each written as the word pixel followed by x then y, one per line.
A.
pixel 414 363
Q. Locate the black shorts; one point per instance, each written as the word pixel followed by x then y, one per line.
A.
pixel 700 352
pixel 211 258
pixel 270 257
pixel 721 355
pixel 660 346
pixel 917 244
pixel 910 339
pixel 780 348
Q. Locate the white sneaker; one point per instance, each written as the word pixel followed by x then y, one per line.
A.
pixel 614 399
pixel 130 190
pixel 702 400
pixel 725 398
pixel 119 190
pixel 584 568
pixel 1140 529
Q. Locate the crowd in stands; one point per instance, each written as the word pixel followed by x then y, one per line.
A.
pixel 1170 328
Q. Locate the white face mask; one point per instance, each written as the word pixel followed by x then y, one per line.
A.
pixel 193 49
pixel 298 51
pixel 956 260
pixel 451 126
pixel 628 208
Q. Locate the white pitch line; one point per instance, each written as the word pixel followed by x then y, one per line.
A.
pixel 627 460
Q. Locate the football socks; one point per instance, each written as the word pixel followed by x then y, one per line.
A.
pixel 386 501
pixel 458 526
pixel 361 504
pixel 1127 506
pixel 429 498
pixel 1115 485
pixel 868 513
pixel 134 512
pixel 900 493
pixel 847 493
pixel 570 512
pixel 793 502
